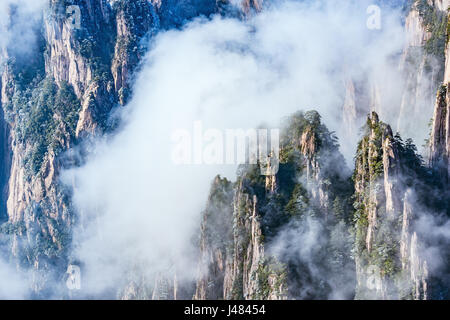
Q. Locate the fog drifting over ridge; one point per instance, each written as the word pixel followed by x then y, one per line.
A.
pixel 140 210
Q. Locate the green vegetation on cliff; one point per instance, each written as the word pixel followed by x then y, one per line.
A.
pixel 436 23
pixel 313 189
pixel 45 117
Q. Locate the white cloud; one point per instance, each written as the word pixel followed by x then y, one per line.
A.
pixel 13 285
pixel 16 32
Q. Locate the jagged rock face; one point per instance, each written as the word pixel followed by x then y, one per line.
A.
pixel 416 32
pixel 381 202
pixel 134 20
pixel 215 242
pixel 91 66
pixel 422 62
pixel 420 68
pixel 63 61
pixel 252 275
pixel 412 263
pixel 99 58
pixel 439 142
pixel 243 220
pixel 440 131
pixel 233 264
pixel 39 214
pixel 95 106
pixel 447 64
pixel 314 179
pixel 391 167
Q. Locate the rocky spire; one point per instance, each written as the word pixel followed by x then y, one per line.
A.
pixel 384 251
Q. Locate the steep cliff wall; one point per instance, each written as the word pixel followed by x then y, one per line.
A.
pixel 440 130
pixel 63 93
pixel 422 62
pixel 420 70
pixel 233 263
pixel 244 222
pixel 388 262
